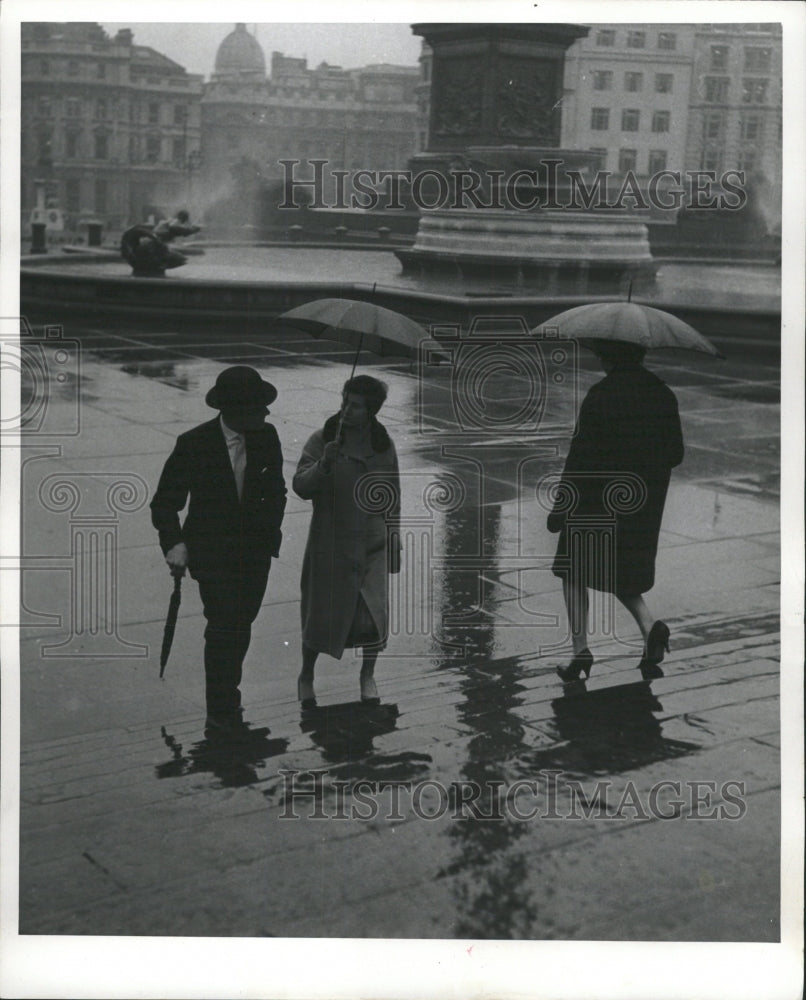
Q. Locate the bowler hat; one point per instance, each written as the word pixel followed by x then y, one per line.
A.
pixel 240 386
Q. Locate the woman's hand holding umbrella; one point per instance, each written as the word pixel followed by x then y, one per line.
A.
pixel 330 453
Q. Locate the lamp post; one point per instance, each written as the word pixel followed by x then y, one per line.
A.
pixel 193 162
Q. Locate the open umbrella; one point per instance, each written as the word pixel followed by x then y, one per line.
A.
pixel 362 325
pixel 652 329
pixel 170 623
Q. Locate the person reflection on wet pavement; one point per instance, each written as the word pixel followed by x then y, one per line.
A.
pixel 610 730
pixel 346 733
pixel 231 755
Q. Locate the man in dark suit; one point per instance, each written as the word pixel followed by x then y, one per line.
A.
pixel 231 469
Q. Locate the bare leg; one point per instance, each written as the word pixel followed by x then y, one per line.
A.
pixel 369 690
pixel 576 601
pixel 636 605
pixel 655 633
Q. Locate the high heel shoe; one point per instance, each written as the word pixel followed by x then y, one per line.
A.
pixel 649 671
pixel 369 691
pixel 307 698
pixel 581 664
pixel 657 642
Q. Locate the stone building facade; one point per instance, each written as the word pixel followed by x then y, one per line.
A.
pixel 628 89
pixel 363 118
pixel 682 97
pixel 735 117
pixel 110 129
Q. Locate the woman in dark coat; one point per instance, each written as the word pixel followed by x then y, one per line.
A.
pixel 345 570
pixel 611 498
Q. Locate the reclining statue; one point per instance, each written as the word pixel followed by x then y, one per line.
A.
pixel 146 247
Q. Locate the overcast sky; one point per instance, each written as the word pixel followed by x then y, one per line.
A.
pixel 194 46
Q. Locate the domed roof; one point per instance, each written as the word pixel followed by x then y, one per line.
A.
pixel 240 55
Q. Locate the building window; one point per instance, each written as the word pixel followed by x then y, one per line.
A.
pixel 153 113
pixel 712 125
pixel 180 114
pixel 73 107
pixel 754 91
pixel 630 120
pixel 757 60
pixel 750 126
pixel 657 160
pixel 153 148
pixel 44 108
pixel 602 79
pixel 606 37
pixel 600 119
pixel 667 40
pixel 100 195
pixel 627 159
pixel 100 70
pixel 72 194
pixel 100 110
pixel 71 145
pixel 663 83
pixel 101 145
pixel 719 57
pixel 633 81
pixel 660 121
pixel 716 89
pixel 45 145
pixel 179 152
pixel 636 39
pixel 72 67
pixel 711 159
pixel 747 159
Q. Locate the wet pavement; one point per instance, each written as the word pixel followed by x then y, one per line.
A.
pixel 464 806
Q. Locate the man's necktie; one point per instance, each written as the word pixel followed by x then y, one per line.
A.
pixel 239 463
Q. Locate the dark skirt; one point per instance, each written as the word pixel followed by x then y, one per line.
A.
pixel 614 555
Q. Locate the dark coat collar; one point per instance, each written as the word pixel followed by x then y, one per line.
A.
pixel 378 437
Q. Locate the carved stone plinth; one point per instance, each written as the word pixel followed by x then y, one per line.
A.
pixel 495 191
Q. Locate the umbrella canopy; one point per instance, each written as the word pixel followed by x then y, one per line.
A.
pixel 650 328
pixel 359 324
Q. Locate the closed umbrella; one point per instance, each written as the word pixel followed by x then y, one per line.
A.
pixel 650 328
pixel 170 623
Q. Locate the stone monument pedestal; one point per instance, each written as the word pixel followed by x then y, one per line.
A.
pixel 505 196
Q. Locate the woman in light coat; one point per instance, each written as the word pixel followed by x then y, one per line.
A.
pixel 349 470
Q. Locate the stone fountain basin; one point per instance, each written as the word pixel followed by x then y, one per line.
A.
pixel 255 284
